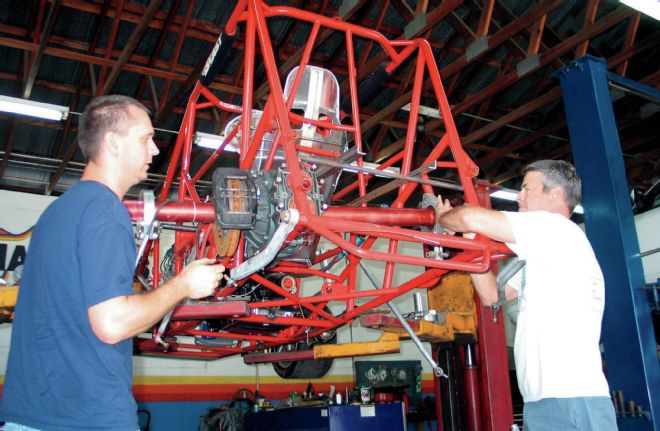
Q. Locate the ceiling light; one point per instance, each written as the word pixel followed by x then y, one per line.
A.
pixel 207 140
pixel 424 110
pixel 511 195
pixel 44 111
pixel 505 194
pixel 649 7
pixel 373 166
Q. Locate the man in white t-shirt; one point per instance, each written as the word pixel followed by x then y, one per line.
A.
pixel 561 299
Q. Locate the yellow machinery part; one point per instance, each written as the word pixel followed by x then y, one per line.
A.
pixel 8 297
pixel 455 295
pixel 387 343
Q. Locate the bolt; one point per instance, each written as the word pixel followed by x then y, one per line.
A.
pixel 324 207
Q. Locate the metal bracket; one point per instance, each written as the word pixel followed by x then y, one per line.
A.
pixel 346 7
pixel 475 48
pixel 528 65
pixel 413 27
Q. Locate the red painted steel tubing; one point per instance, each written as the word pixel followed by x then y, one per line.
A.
pixel 384 216
pixel 176 211
pixel 263 358
pixel 473 400
pixel 205 213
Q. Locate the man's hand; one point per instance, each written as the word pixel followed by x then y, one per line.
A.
pixel 444 207
pixel 201 278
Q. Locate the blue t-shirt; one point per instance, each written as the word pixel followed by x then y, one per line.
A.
pixel 60 376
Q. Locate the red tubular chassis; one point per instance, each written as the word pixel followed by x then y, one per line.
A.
pixel 236 319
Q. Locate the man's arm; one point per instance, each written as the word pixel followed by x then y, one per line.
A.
pixel 124 317
pixel 486 286
pixel 491 223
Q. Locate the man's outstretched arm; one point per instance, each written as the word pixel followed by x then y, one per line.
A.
pixel 123 317
pixel 487 222
pixel 490 223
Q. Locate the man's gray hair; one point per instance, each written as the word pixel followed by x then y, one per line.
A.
pixel 102 115
pixel 558 173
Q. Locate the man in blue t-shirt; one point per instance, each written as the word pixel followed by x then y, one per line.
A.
pixel 70 363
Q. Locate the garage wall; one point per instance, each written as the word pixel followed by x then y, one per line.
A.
pixel 648 233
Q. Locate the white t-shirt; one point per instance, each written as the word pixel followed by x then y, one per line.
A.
pixel 561 308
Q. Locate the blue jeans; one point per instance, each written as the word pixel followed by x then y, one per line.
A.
pixel 10 426
pixel 570 414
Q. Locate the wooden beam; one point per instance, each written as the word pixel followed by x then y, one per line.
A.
pixel 535 38
pixel 457 65
pixel 92 59
pixel 133 13
pixel 177 50
pixel 162 35
pixel 511 147
pixel 484 18
pixel 545 58
pixel 110 43
pixel 514 115
pixel 39 54
pixel 422 6
pixel 589 18
pixel 564 150
pixel 134 40
pixel 628 42
pixel 647 43
pixel 461 27
pixel 403 9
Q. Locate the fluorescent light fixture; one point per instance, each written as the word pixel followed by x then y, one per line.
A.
pixel 505 194
pixel 44 111
pixel 374 166
pixel 207 140
pixel 510 195
pixel 649 7
pixel 425 110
